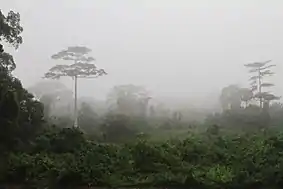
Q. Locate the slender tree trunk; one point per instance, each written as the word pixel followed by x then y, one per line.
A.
pixel 259 88
pixel 75 105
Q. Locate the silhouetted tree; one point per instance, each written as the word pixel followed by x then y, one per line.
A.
pixel 260 70
pixel 230 97
pixel 53 95
pixel 7 62
pixel 10 29
pixel 10 32
pixel 82 68
pixel 246 95
pixel 117 128
pixel 21 116
pixel 129 100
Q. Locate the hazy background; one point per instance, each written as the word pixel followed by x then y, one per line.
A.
pixel 185 49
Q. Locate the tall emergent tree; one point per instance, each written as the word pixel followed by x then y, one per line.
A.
pixel 259 71
pixel 82 67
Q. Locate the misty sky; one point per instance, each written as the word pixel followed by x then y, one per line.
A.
pixel 177 48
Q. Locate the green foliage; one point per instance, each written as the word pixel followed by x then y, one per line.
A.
pixel 117 128
pixel 58 140
pixel 200 161
pixel 10 29
pixel 249 119
pixel 37 155
pixel 7 62
pixel 9 106
pixel 88 119
pixel 21 116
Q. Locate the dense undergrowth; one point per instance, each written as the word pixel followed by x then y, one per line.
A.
pixel 65 158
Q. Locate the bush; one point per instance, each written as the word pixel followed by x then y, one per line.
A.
pixel 202 161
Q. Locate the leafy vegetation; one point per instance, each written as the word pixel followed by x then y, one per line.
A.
pixel 128 146
pixel 64 157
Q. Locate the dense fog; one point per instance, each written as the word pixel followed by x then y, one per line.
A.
pixel 141 94
pixel 182 51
